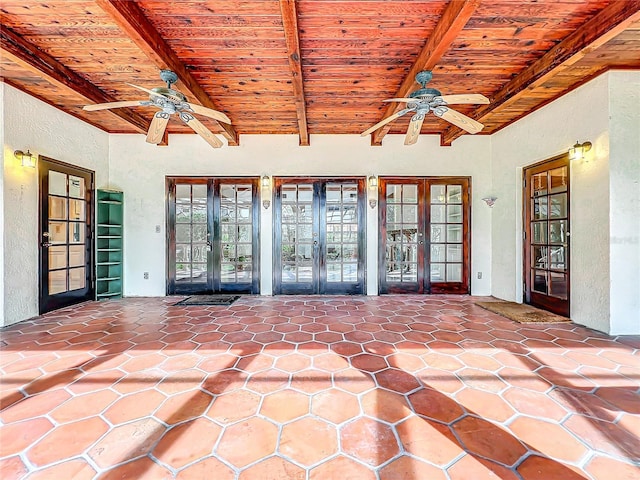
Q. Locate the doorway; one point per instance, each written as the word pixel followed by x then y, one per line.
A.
pixel 424 235
pixel 546 244
pixel 319 236
pixel 212 226
pixel 65 247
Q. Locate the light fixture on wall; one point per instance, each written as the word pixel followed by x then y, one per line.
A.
pixel 578 150
pixel 27 159
pixel 490 200
pixel 265 184
pixel 373 191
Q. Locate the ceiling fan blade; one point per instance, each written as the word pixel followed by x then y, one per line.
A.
pixel 200 129
pixel 105 106
pixel 458 119
pixel 157 127
pixel 390 118
pixel 414 129
pixel 209 112
pixel 470 98
pixel 156 94
pixel 405 100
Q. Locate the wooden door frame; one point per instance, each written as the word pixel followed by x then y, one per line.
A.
pixel 530 297
pixel 43 202
pixel 424 284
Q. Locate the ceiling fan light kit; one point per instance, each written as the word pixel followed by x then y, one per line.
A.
pixel 425 100
pixel 170 102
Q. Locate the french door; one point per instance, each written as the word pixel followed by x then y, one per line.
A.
pixel 424 238
pixel 546 245
pixel 319 236
pixel 212 235
pixel 65 252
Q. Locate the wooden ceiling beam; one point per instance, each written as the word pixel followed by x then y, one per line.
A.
pixel 455 16
pixel 132 20
pixel 29 56
pixel 290 23
pixel 607 24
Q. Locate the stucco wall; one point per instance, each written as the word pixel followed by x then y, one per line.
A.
pixel 624 207
pixel 31 124
pixel 139 169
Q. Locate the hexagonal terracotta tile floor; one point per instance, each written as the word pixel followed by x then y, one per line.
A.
pixel 392 387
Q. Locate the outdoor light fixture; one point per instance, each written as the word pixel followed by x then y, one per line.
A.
pixel 490 200
pixel 265 183
pixel 578 150
pixel 27 159
pixel 373 191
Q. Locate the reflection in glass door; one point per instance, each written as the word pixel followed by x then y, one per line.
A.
pixel 547 235
pixel 65 232
pixel 212 235
pixel 319 236
pixel 424 243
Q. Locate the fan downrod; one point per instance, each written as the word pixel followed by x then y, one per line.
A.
pixel 169 77
pixel 424 77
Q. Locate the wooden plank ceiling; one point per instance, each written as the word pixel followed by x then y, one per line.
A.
pixel 312 66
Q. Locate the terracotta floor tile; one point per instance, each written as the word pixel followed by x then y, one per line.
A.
pixel 187 442
pixel 234 406
pixel 13 468
pixel 18 436
pixel 429 440
pixel 485 404
pixel 136 405
pixel 207 468
pixel 489 441
pixel 248 441
pixel 440 380
pixel 268 381
pixel 542 468
pixel 471 467
pixel 369 363
pixel 307 441
pixel 548 438
pixel 397 380
pixel 369 441
pixel 311 380
pixel 335 405
pixel 342 468
pixel 482 380
pixel 534 404
pixel 408 468
pixel 293 362
pixel 353 380
pixel 273 468
pixel 184 406
pixel 387 406
pixel 605 436
pixel 603 468
pixel 141 469
pixel 285 405
pixel 73 469
pixel 34 406
pixel 435 405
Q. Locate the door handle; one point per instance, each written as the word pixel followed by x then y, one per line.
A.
pixel 46 244
pixel 315 243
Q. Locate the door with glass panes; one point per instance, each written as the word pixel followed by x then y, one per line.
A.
pixel 424 235
pixel 212 235
pixel 319 236
pixel 546 244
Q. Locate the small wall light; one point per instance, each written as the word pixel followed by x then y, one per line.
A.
pixel 490 200
pixel 27 159
pixel 373 191
pixel 578 150
pixel 265 183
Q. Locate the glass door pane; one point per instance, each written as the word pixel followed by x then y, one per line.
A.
pixel 191 234
pixel 446 233
pixel 236 233
pixel 402 234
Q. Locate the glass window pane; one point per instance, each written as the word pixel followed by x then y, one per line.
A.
pixel 454 213
pixel 244 194
pixel 244 252
pixel 57 208
pixel 183 213
pixel 539 232
pixel 409 272
pixel 305 214
pixel 305 193
pixel 334 233
pixel 57 282
pixel 228 273
pixel 333 253
pixel 76 187
pixel 77 278
pixel 57 183
pixel 454 233
pixel 539 257
pixel 350 272
pixel 76 209
pixel 454 272
pixel 540 281
pixel 58 258
pixel 557 258
pixel 244 214
pixel 334 272
pixel 394 193
pixel 558 285
pixel 349 252
pixel 558 231
pixel 454 193
pixel 409 214
pixel 334 214
pixel 183 252
pixel 558 207
pixel 437 272
pixel 410 194
pixel 183 233
pixel 454 253
pixel 199 233
pixel 76 256
pixel 199 214
pixel 438 194
pixel 199 272
pixel 304 233
pixel 437 233
pixel 539 184
pixel 228 253
pixel 289 193
pixel 288 273
pixel 394 214
pixel 228 193
pixel 199 253
pixel 228 213
pixel 334 194
pixel 58 232
pixel 244 233
pixel 558 179
pixel 76 232
pixel 183 193
pixel 228 233
pixel 437 253
pixel 540 208
pixel 349 193
pixel 438 214
pixel 304 253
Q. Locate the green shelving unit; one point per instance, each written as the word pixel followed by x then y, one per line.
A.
pixel 109 224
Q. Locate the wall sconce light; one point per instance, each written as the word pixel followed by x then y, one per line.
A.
pixel 373 191
pixel 490 200
pixel 578 150
pixel 265 184
pixel 27 159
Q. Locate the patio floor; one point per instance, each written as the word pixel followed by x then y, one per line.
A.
pixel 348 388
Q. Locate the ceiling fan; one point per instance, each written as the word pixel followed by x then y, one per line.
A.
pixel 169 101
pixel 425 100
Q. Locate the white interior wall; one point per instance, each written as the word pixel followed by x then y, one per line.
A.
pixel 31 124
pixel 139 169
pixel 624 208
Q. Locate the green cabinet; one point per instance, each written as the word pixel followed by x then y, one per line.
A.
pixel 109 226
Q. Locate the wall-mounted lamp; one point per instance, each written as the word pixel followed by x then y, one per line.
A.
pixel 578 150
pixel 27 159
pixel 490 200
pixel 373 191
pixel 265 184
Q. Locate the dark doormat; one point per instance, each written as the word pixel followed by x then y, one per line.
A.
pixel 209 300
pixel 522 313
